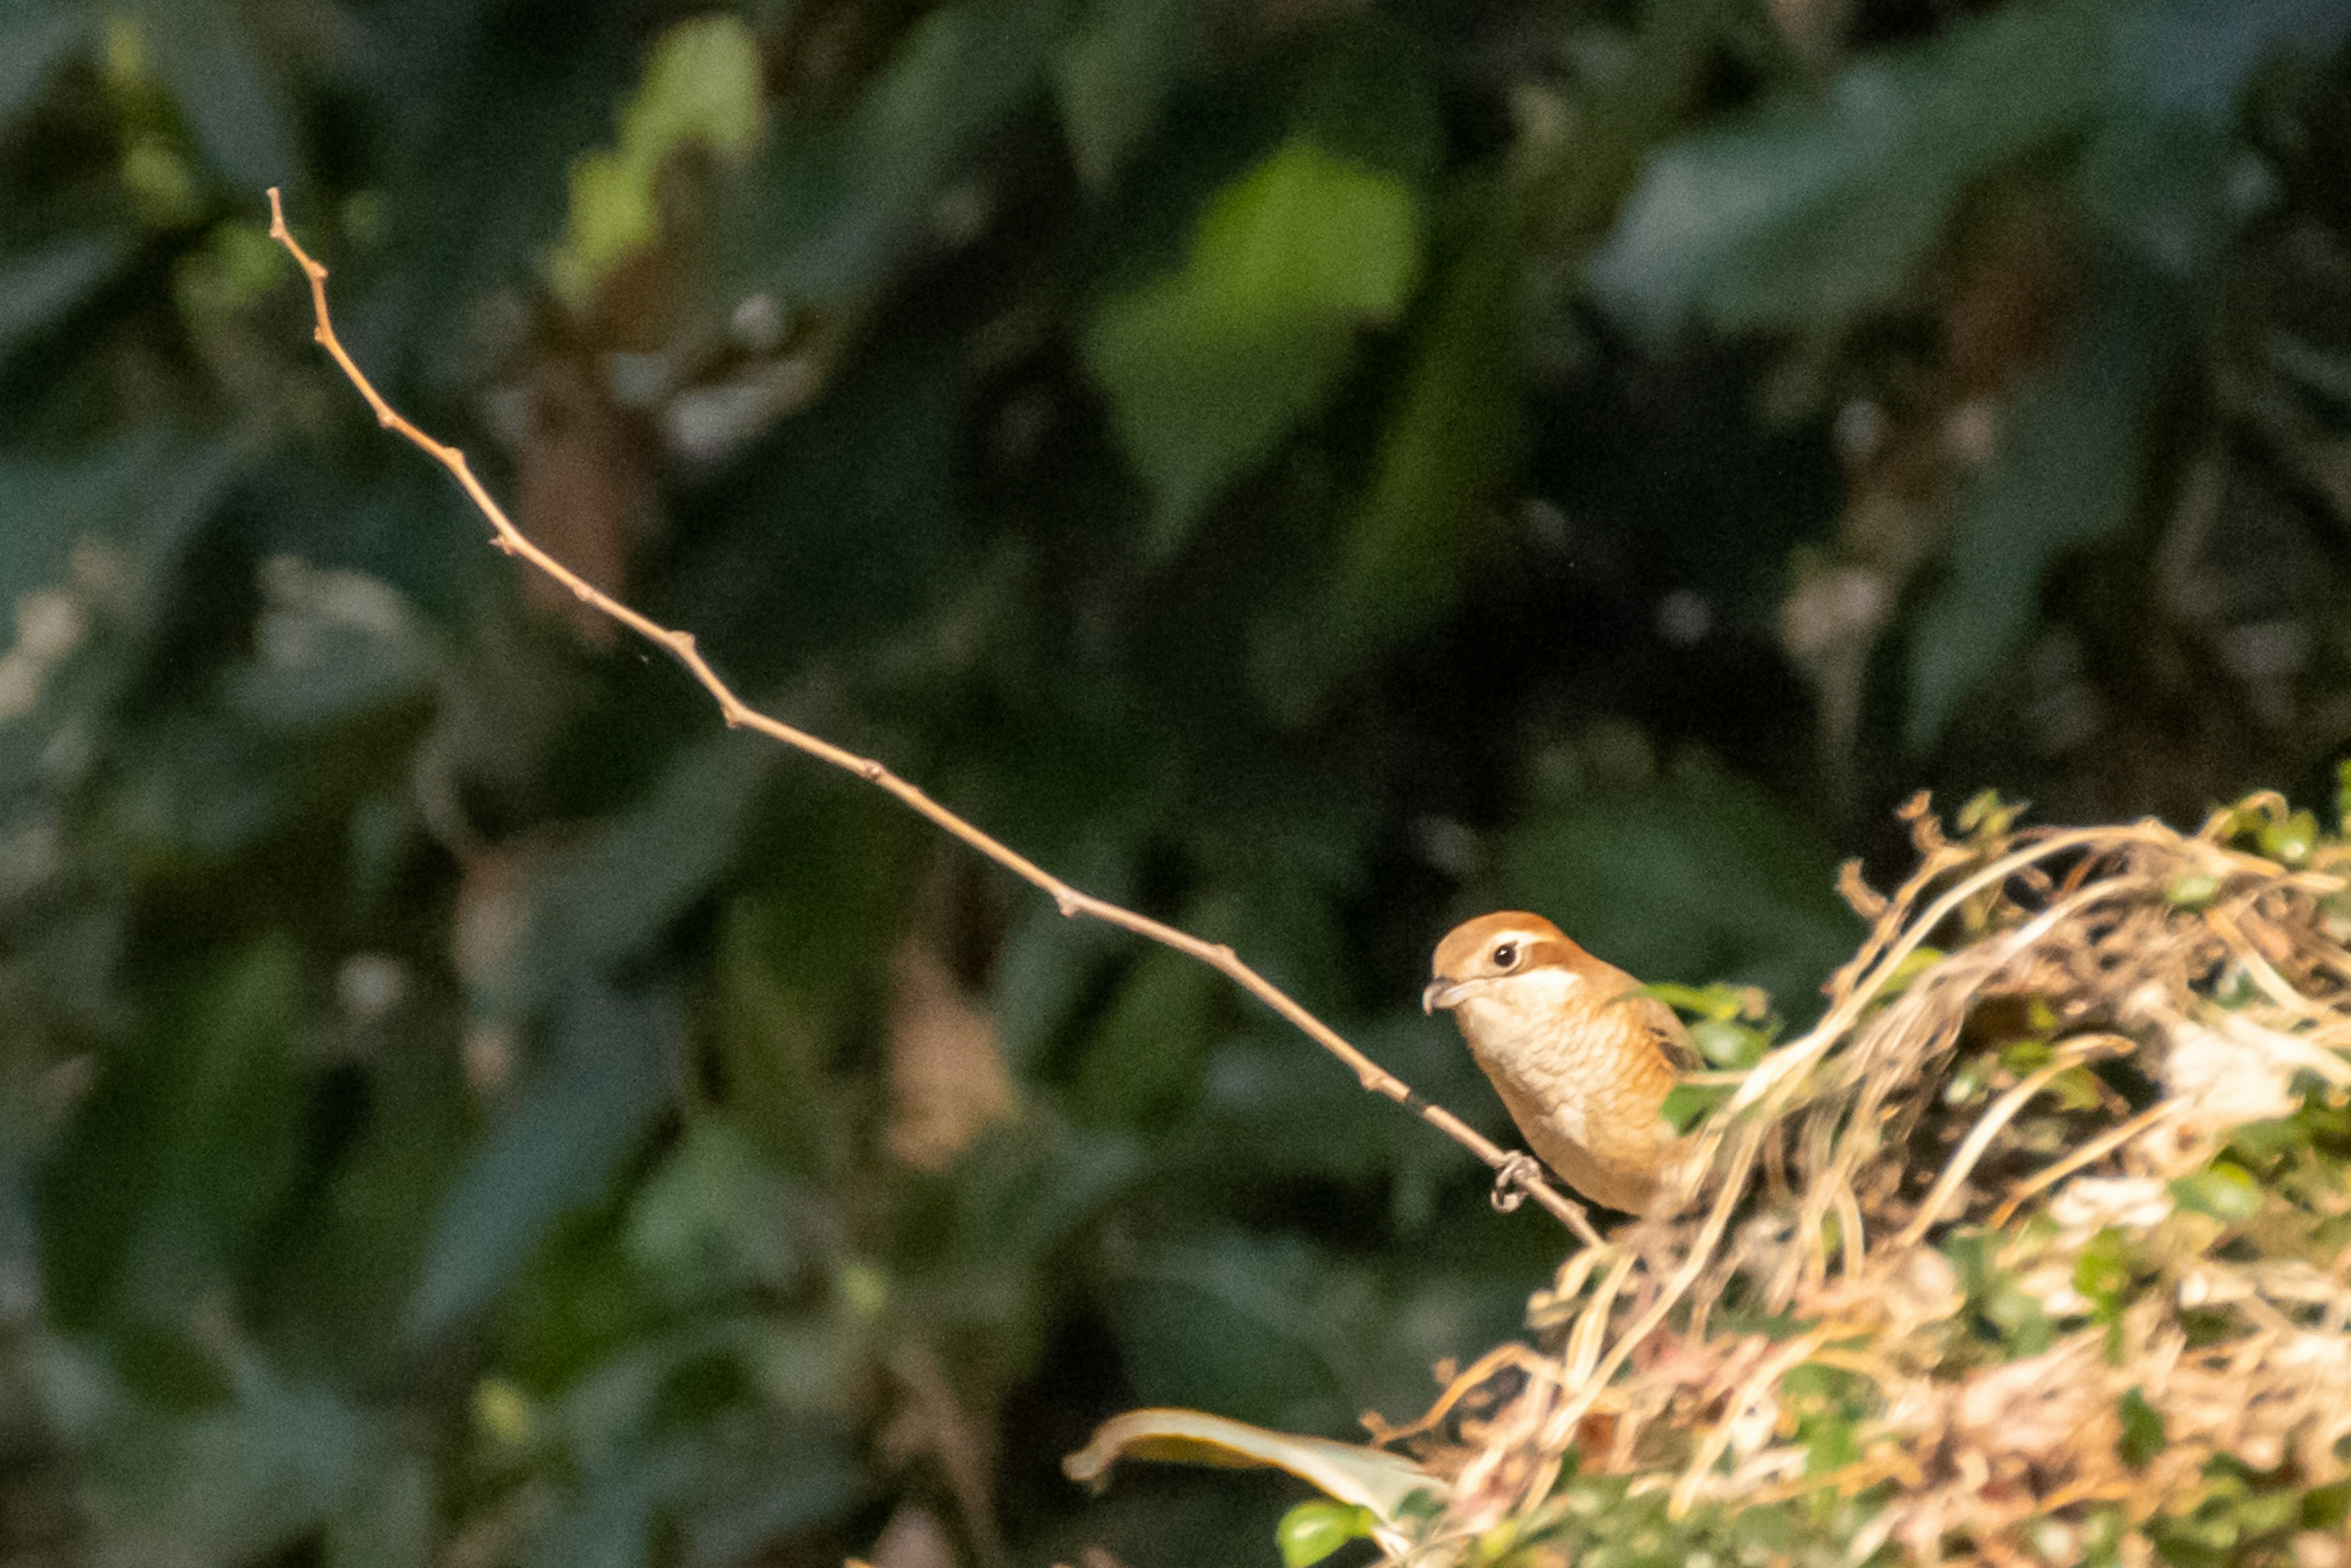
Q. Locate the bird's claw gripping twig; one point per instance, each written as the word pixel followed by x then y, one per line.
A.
pixel 1510 1180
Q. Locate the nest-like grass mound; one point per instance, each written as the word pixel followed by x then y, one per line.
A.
pixel 2037 1246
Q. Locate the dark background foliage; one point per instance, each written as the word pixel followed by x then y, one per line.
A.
pixel 1313 470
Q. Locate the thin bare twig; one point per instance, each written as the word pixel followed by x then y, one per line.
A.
pixel 681 646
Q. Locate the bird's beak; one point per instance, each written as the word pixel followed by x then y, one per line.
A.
pixel 1438 993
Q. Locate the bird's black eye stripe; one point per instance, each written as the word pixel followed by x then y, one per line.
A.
pixel 1506 954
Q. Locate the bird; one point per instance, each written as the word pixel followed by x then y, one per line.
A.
pixel 1581 1057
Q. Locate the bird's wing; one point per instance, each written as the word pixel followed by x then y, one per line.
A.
pixel 1664 1028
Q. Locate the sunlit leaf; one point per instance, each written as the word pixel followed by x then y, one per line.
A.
pixel 700 89
pixel 1208 367
pixel 1687 1104
pixel 1727 1045
pixel 701 85
pixel 1372 1478
pixel 2225 1191
pixel 1313 1531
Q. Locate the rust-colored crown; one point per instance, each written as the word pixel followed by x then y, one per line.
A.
pixel 1467 949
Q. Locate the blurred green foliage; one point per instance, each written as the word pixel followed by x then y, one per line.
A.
pixel 1311 471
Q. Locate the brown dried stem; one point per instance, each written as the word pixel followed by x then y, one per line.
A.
pixel 1070 901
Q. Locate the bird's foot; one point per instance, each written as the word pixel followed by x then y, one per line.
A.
pixel 1511 1180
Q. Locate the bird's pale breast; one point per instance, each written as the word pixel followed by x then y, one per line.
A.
pixel 1583 1076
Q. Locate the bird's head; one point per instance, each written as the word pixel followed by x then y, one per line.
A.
pixel 1494 955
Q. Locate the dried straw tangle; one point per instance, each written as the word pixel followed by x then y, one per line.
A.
pixel 1825 1195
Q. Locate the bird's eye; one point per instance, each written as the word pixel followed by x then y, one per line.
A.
pixel 1505 956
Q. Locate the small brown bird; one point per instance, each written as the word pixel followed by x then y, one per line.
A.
pixel 1581 1061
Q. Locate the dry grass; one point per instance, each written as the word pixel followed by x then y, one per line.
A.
pixel 1961 1254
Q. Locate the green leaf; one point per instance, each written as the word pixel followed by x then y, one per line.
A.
pixel 1306 233
pixel 1914 963
pixel 1452 441
pixel 2164 174
pixel 557 1152
pixel 2192 890
pixel 1313 1531
pixel 2326 1507
pixel 840 201
pixel 38 291
pixel 117 514
pixel 2062 473
pixel 174 1173
pixel 330 644
pixel 1817 209
pixel 2077 1089
pixel 1113 75
pixel 2022 1056
pixel 713 1217
pixel 2290 842
pixel 1693 872
pixel 1718 1004
pixel 1988 818
pixel 2102 1270
pixel 2143 1436
pixel 1829 1446
pixel 1727 1045
pixel 1209 367
pixel 1142 1058
pixel 203 54
pixel 1269 1328
pixel 242 1481
pixel 702 87
pixel 2022 1323
pixel 610 898
pixel 34 39
pixel 2224 1191
pixel 1685 1104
